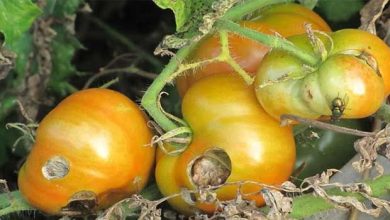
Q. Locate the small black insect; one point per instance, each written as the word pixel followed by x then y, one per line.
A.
pixel 338 107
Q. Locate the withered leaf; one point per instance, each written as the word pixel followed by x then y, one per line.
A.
pixel 370 13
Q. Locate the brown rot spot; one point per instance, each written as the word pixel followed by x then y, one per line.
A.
pixel 81 203
pixel 211 169
pixel 56 167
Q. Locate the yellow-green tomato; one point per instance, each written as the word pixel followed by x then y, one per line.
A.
pixel 351 82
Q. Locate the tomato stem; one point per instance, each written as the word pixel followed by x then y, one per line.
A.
pixel 150 99
pixel 274 42
pixel 284 120
pixel 249 6
pixel 225 56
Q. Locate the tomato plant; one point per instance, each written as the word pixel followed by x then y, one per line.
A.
pixel 284 19
pixel 90 152
pixel 232 133
pixel 350 82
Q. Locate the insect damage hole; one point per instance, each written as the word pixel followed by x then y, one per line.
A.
pixel 56 167
pixel 211 169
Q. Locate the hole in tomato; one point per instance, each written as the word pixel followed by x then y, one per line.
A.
pixel 211 169
pixel 55 168
pixel 80 203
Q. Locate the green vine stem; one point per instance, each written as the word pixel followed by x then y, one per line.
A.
pixel 151 97
pixel 383 113
pixel 269 40
pixel 225 56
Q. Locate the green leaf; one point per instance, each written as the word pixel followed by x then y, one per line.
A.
pixel 60 8
pixel 339 11
pixel 13 202
pixel 186 11
pixel 64 46
pixel 308 205
pixel 180 8
pixel 16 17
pixel 308 3
pixel 23 46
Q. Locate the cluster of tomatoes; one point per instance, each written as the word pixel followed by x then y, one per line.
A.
pixel 236 130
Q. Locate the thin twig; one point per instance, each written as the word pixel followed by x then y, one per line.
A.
pixel 125 41
pixel 286 118
pixel 131 69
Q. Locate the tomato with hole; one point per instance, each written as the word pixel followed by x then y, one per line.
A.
pixel 284 19
pixel 233 140
pixel 91 151
pixel 350 82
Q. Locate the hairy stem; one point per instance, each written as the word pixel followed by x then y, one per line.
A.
pixel 150 99
pixel 131 69
pixel 225 55
pixel 237 12
pixel 269 40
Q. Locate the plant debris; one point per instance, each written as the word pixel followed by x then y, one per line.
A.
pixel 368 148
pixel 370 13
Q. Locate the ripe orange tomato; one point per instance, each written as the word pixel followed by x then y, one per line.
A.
pixel 232 133
pixel 284 19
pixel 90 152
pixel 351 82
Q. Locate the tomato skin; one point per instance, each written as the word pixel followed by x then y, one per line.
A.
pixel 311 94
pixel 351 39
pixel 289 19
pixel 228 117
pixel 103 136
pixel 284 19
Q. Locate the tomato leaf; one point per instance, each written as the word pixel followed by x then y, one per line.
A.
pixel 64 45
pixel 339 11
pixel 184 10
pixel 307 206
pixel 308 3
pixel 62 9
pixel 13 202
pixel 16 17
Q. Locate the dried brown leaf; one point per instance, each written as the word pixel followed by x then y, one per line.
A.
pixel 7 60
pixel 348 202
pixel 368 148
pixel 370 14
pixel 280 205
